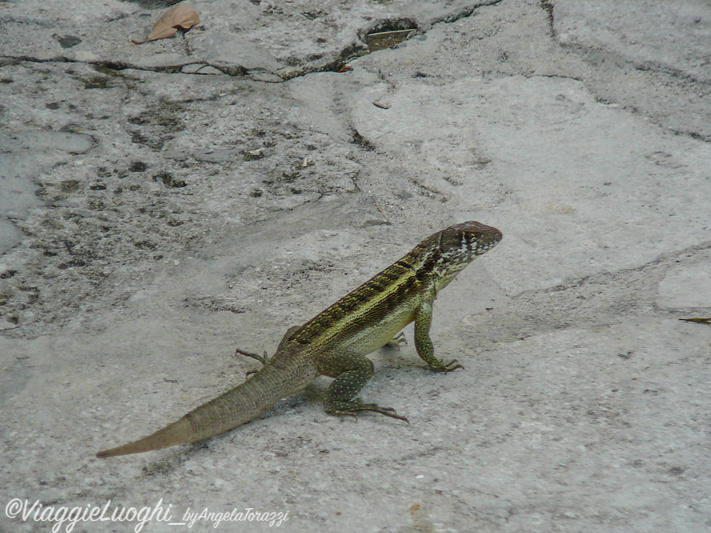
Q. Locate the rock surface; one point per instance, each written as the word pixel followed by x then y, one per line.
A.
pixel 163 204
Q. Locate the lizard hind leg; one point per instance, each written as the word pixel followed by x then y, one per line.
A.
pixel 348 383
pixel 265 358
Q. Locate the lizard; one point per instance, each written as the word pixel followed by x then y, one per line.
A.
pixel 335 342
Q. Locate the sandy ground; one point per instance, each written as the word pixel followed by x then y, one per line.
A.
pixel 162 204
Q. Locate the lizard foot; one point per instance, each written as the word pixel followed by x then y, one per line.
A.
pixel 397 341
pixel 351 408
pixel 261 358
pixel 441 366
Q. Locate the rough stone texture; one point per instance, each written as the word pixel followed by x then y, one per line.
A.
pixel 265 40
pixel 165 203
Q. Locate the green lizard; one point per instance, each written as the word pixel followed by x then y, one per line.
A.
pixel 336 341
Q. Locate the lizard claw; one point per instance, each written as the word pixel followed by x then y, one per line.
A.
pixel 453 365
pixel 397 341
pixel 351 408
pixel 392 413
pixel 344 414
pixel 261 358
pixel 447 367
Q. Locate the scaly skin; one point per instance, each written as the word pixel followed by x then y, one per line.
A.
pixel 336 341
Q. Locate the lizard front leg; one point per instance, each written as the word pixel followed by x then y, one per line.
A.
pixel 423 343
pixel 353 373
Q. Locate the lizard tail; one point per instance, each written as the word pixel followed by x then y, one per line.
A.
pixel 282 376
pixel 176 433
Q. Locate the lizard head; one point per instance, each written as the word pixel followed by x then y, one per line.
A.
pixel 465 241
pixel 458 246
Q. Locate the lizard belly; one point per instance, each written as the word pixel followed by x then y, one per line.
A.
pixel 367 340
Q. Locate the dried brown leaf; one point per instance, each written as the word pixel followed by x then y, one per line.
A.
pixel 183 17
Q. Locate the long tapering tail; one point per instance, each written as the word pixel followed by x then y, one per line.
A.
pixel 178 432
pixel 286 373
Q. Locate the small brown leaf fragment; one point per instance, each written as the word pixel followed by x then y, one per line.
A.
pixel 183 17
pixel 345 68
